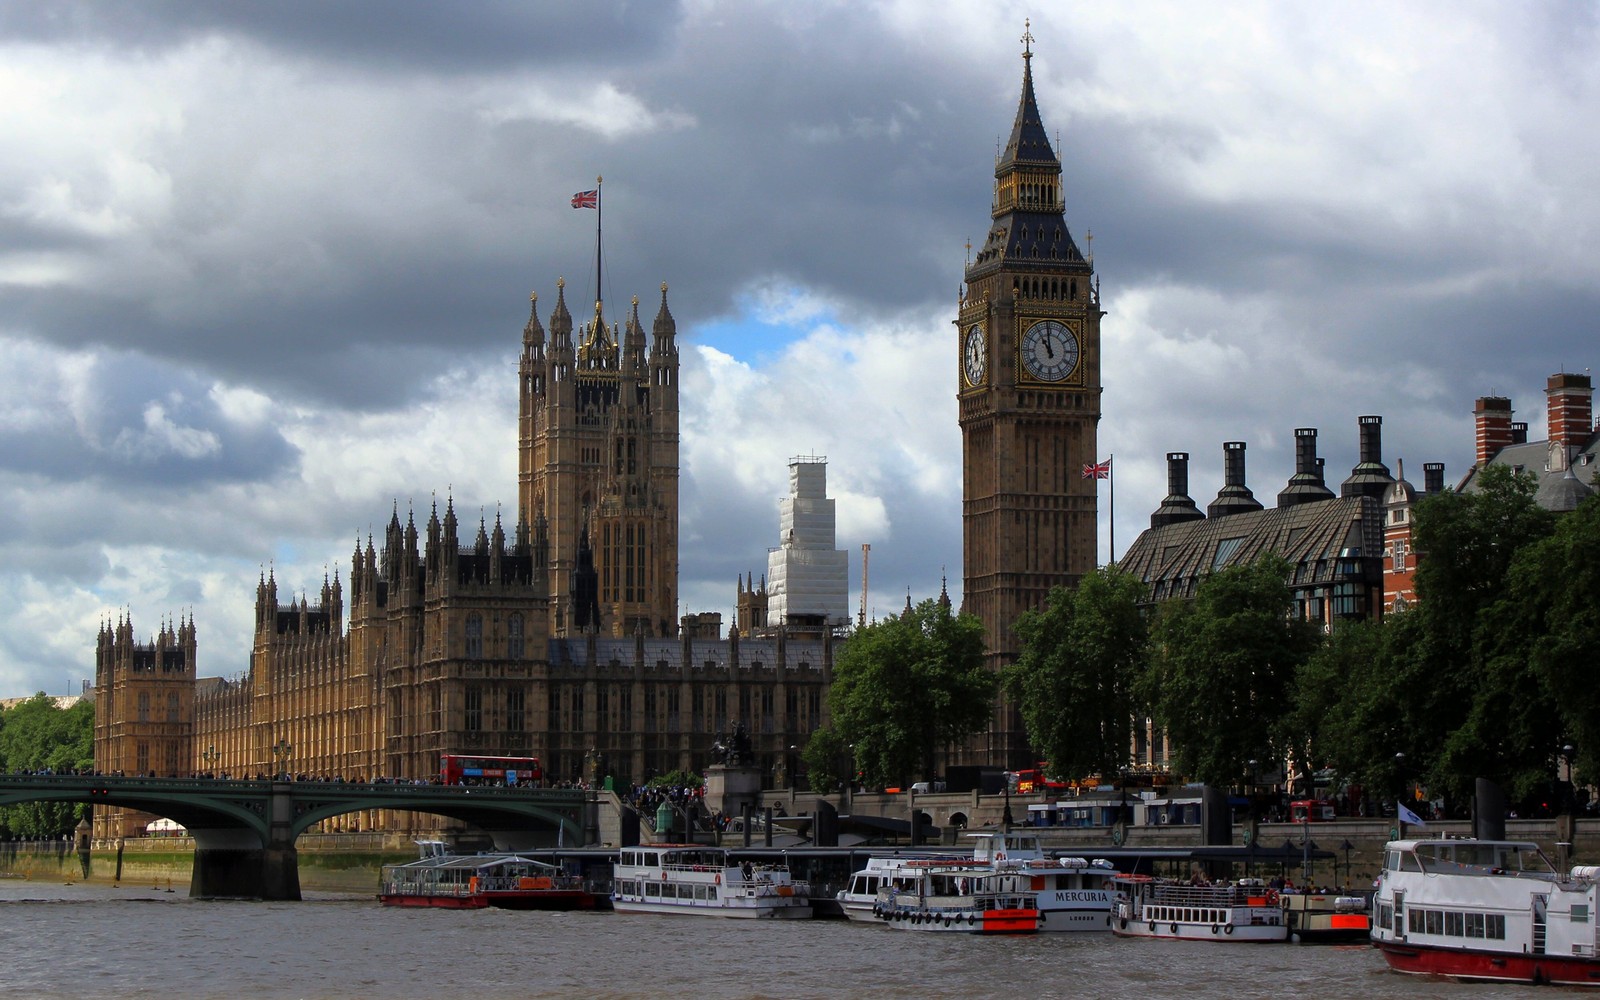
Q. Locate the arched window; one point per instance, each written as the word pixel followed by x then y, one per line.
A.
pixel 474 637
pixel 514 637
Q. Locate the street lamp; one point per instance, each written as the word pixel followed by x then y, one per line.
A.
pixel 280 755
pixel 790 767
pixel 1400 775
pixel 209 755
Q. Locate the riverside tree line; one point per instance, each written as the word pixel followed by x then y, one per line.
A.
pixel 1491 674
pixel 36 737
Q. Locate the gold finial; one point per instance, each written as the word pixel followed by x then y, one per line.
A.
pixel 598 179
pixel 969 251
pixel 1088 235
pixel 533 296
pixel 636 300
pixel 561 282
pixel 663 288
pixel 1027 38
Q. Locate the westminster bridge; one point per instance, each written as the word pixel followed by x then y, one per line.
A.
pixel 244 831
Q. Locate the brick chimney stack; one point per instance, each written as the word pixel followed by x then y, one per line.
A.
pixel 1433 477
pixel 1493 415
pixel 1571 408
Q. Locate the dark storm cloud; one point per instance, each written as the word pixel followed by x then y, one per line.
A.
pixel 410 35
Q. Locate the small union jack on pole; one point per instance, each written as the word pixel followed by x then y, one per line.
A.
pixel 1102 470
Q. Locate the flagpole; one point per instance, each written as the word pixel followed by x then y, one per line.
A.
pixel 1111 482
pixel 599 295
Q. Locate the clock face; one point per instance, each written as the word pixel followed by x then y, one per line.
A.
pixel 975 356
pixel 1049 351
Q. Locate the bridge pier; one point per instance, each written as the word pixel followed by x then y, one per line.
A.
pixel 233 863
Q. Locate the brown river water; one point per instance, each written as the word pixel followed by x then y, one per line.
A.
pixel 93 940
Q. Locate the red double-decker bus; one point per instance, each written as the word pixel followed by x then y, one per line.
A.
pixel 464 769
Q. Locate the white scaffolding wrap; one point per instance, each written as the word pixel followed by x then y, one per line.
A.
pixel 806 576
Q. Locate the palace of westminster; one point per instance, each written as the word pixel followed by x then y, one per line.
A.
pixel 559 637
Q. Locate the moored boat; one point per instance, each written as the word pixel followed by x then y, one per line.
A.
pixel 474 881
pixel 1326 917
pixel 1486 910
pixel 958 897
pixel 1246 911
pixel 1071 894
pixel 857 901
pixel 704 881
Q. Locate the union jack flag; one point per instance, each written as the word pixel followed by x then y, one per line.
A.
pixel 586 199
pixel 1097 470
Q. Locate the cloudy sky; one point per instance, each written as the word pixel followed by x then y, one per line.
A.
pixel 264 267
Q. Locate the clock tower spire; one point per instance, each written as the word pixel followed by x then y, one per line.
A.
pixel 1028 395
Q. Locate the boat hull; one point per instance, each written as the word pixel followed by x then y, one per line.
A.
pixel 1184 931
pixel 1490 966
pixel 420 901
pixel 969 922
pixel 762 912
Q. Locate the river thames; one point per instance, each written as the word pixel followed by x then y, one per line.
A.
pixel 93 940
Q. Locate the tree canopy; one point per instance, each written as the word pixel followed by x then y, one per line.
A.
pixel 34 736
pixel 906 686
pixel 1074 678
pixel 1222 669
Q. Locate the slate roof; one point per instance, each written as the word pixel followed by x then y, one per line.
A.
pixel 1560 489
pixel 1311 536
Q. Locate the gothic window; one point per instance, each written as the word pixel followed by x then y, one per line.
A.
pixel 435 710
pixel 141 757
pixel 474 702
pixel 514 637
pixel 172 757
pixel 516 710
pixel 474 637
pixel 553 709
pixel 1400 555
pixel 144 713
pixel 172 706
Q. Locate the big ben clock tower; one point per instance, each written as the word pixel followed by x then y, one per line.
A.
pixel 1028 377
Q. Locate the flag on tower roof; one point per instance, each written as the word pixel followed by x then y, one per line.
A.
pixel 586 199
pixel 1097 470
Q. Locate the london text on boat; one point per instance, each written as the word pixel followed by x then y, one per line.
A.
pixel 1161 908
pixel 1485 909
pixel 473 881
pixel 687 878
pixel 956 896
pixel 1072 894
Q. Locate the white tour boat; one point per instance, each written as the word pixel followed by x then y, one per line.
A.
pixel 1163 908
pixel 1072 894
pixel 859 898
pixel 966 897
pixel 1486 909
pixel 690 878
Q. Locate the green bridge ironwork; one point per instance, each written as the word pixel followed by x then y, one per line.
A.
pixel 244 831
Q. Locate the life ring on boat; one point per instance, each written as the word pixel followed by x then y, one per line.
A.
pixel 1228 929
pixel 1174 927
pixel 719 880
pixel 1272 897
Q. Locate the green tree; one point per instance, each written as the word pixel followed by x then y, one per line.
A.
pixel 827 758
pixel 908 685
pixel 1474 709
pixel 37 735
pixel 1074 677
pixel 1222 667
pixel 1549 619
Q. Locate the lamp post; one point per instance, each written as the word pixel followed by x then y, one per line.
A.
pixel 791 767
pixel 1400 775
pixel 209 755
pixel 280 756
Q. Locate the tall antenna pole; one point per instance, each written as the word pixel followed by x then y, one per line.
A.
pixel 861 618
pixel 1111 483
